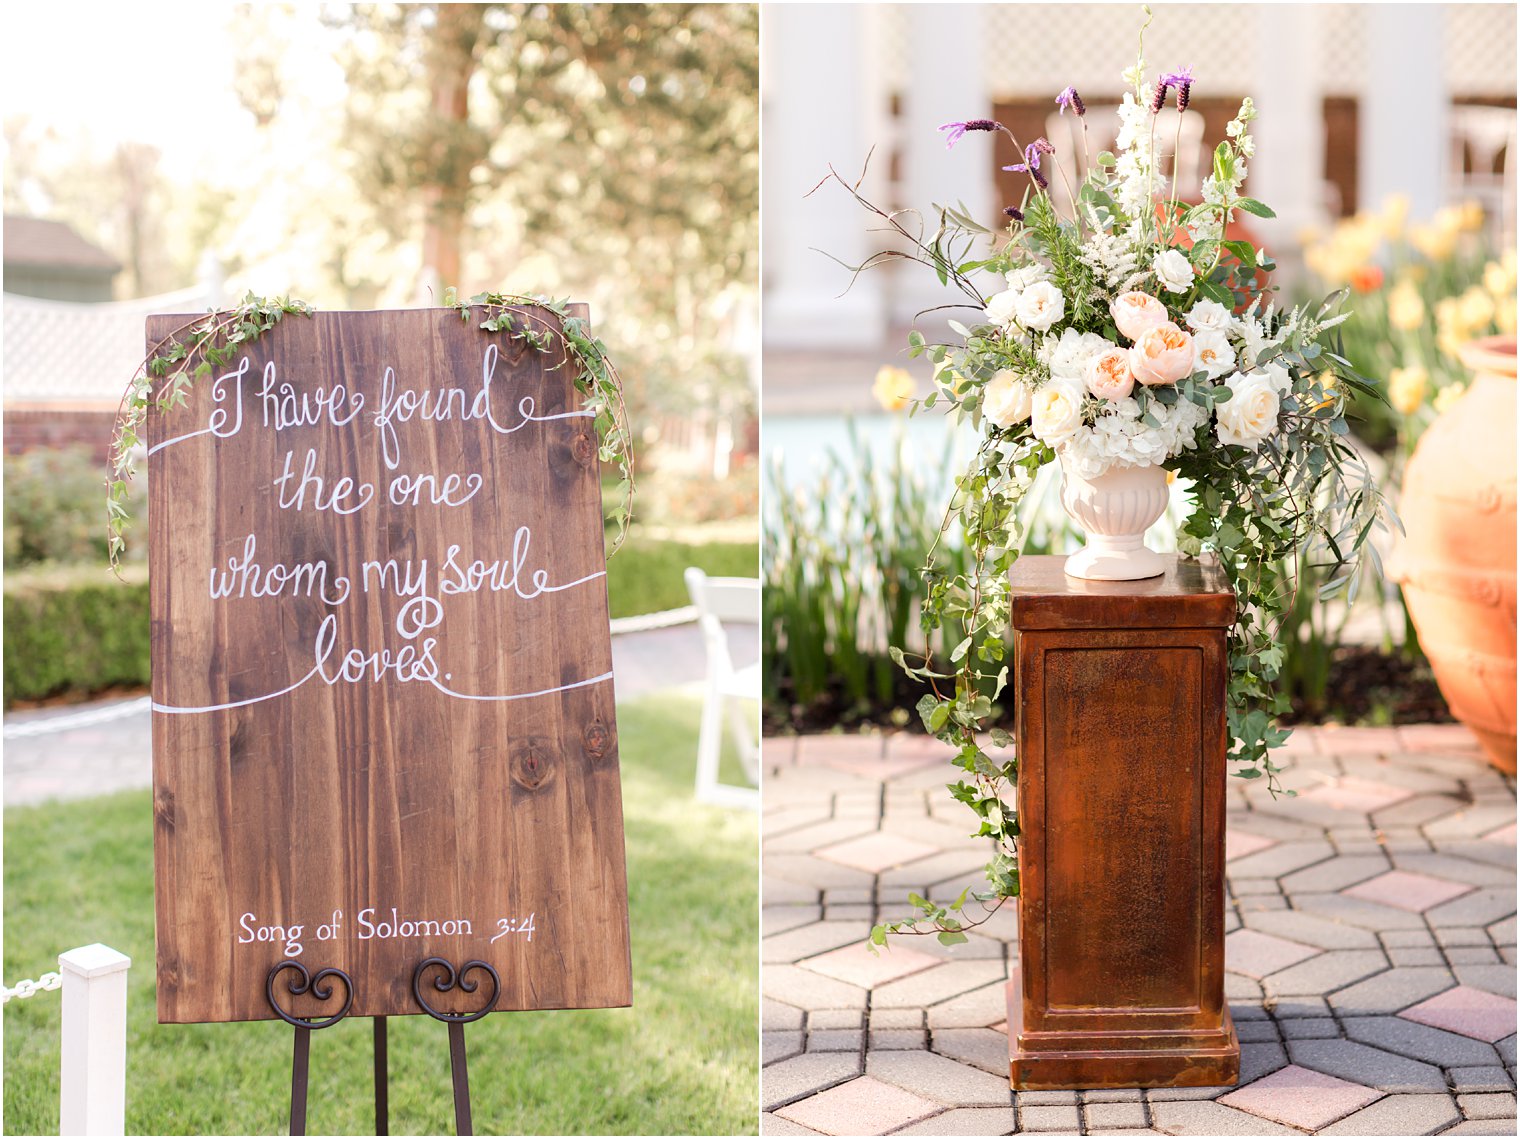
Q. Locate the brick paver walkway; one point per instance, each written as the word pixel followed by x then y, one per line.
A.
pixel 1370 949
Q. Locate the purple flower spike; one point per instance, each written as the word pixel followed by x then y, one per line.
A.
pixel 958 129
pixel 1013 212
pixel 1183 82
pixel 1158 100
pixel 1031 163
pixel 1070 98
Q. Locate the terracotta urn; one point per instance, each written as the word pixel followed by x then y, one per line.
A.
pixel 1457 560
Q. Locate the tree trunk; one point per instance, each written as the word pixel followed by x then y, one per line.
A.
pixel 456 33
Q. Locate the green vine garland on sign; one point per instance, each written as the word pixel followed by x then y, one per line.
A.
pixel 187 354
pixel 598 377
pixel 198 346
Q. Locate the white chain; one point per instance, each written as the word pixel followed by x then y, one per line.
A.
pixel 43 984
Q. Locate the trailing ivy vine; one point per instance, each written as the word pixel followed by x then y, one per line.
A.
pixel 163 380
pixel 596 376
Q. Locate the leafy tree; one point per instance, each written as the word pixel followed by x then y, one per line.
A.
pixel 617 142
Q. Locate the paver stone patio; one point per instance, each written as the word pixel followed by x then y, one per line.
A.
pixel 1370 950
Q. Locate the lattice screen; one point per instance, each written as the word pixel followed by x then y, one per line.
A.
pixel 1480 49
pixel 1036 49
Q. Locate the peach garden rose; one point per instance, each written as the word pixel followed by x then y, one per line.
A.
pixel 1108 375
pixel 1161 355
pixel 1134 312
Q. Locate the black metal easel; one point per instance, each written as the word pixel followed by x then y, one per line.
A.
pixel 447 978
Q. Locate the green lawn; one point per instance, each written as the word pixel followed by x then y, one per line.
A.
pixel 683 1060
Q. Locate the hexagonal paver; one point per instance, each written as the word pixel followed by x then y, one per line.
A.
pixel 805 1075
pixel 1352 794
pixel 1348 1060
pixel 1422 1114
pixel 1468 1011
pixel 857 965
pixel 874 853
pixel 1257 954
pixel 1238 844
pixel 864 1106
pixel 951 1083
pixel 1300 1098
pixel 1408 891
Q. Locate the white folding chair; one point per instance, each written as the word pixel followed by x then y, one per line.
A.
pixel 729 689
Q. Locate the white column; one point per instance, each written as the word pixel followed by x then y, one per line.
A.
pixel 93 1084
pixel 1402 111
pixel 822 105
pixel 1288 170
pixel 937 92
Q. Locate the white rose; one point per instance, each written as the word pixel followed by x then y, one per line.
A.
pixel 1279 377
pixel 1209 315
pixel 1040 306
pixel 1006 399
pixel 1021 278
pixel 1250 414
pixel 1056 411
pixel 1001 307
pixel 1212 353
pixel 1174 271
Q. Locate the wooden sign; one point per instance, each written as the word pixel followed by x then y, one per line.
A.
pixel 383 720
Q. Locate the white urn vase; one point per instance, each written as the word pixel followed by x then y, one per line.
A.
pixel 1115 509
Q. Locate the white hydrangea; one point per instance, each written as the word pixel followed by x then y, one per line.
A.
pixel 1068 355
pixel 1118 437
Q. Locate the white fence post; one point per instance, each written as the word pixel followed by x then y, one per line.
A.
pixel 93 1088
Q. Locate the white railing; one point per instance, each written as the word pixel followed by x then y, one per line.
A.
pixel 92 1088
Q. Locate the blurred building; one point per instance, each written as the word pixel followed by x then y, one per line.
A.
pixel 1357 102
pixel 70 350
pixel 49 259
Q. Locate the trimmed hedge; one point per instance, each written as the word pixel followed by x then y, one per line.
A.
pixel 76 630
pixel 646 577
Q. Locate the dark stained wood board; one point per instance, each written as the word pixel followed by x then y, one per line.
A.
pixel 1121 740
pixel 305 791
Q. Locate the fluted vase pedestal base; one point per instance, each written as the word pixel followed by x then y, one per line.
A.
pixel 1115 508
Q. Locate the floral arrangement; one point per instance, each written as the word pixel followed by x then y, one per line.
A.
pixel 1133 331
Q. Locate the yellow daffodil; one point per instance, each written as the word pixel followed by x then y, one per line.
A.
pixel 893 388
pixel 1470 216
pixel 1446 397
pixel 1406 389
pixel 1394 214
pixel 1498 280
pixel 1435 241
pixel 1406 308
pixel 1504 314
pixel 1477 309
